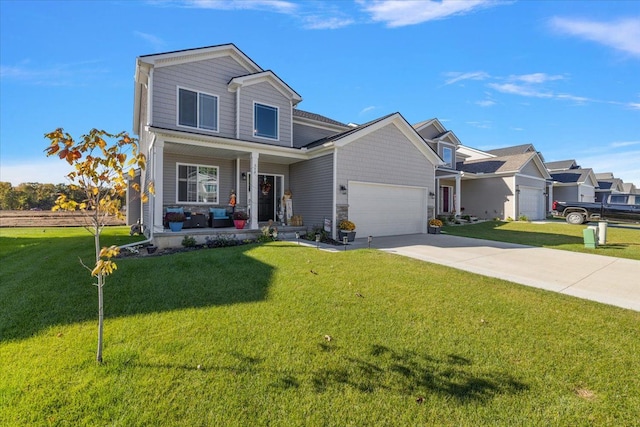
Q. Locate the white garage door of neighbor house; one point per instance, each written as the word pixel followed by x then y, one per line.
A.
pixel 387 210
pixel 531 203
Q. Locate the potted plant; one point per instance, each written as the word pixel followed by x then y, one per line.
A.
pixel 240 219
pixel 434 226
pixel 347 229
pixel 175 220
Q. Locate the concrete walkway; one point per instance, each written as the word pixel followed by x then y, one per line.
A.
pixel 605 279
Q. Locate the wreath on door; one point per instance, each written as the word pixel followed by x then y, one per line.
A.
pixel 265 187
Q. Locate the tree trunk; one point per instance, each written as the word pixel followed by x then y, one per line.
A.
pixel 100 300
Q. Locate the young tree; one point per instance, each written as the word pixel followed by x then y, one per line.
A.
pixel 99 174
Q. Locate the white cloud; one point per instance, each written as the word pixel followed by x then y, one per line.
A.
pixel 280 6
pixel 624 144
pixel 46 171
pixel 410 12
pixel 455 76
pixel 623 34
pixel 486 103
pixel 522 90
pixel 634 105
pixel 71 74
pixel 155 41
pixel 536 78
pixel 480 125
pixel 326 23
pixel 366 110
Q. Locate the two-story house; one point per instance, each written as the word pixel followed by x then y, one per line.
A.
pixel 212 122
pixel 572 183
pixel 445 143
pixel 509 182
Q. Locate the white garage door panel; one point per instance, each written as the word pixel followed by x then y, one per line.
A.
pixel 387 210
pixel 531 203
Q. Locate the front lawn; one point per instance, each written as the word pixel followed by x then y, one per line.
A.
pixel 281 334
pixel 622 242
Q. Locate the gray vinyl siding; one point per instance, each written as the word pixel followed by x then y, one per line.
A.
pixel 265 93
pixel 303 134
pixel 312 189
pixel 385 156
pixel 531 182
pixel 531 170
pixel 210 76
pixel 487 198
pixel 226 177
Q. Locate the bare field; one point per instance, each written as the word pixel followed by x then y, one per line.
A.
pixel 47 219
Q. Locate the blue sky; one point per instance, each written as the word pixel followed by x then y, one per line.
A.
pixel 562 75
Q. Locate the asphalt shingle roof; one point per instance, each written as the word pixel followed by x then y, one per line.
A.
pixel 499 164
pixel 316 117
pixel 510 151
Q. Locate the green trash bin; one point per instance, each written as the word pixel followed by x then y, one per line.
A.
pixel 589 235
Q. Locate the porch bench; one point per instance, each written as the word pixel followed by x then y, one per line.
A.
pixel 219 218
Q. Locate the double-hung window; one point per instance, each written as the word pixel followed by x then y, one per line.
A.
pixel 265 121
pixel 447 156
pixel 197 184
pixel 197 110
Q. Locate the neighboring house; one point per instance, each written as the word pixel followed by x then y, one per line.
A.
pixel 630 188
pixel 211 121
pixel 504 183
pixel 448 178
pixel 571 183
pixel 607 184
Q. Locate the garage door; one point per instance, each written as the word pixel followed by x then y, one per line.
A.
pixel 531 203
pixel 387 210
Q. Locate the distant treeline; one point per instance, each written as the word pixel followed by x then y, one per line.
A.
pixel 33 195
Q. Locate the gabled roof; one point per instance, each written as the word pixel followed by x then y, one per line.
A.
pixel 502 165
pixel 562 165
pixel 430 122
pixel 265 76
pixel 516 149
pixel 343 138
pixel 199 54
pixel 473 153
pixel 578 176
pixel 316 117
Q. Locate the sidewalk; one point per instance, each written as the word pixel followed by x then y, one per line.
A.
pixel 608 280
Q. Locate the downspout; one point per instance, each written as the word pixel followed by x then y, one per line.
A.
pixel 238 113
pixel 334 215
pixel 152 202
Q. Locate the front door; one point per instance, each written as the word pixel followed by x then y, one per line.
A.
pixel 266 197
pixel 445 199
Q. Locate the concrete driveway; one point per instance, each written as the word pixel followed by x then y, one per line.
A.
pixel 609 280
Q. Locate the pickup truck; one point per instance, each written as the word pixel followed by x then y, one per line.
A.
pixel 616 207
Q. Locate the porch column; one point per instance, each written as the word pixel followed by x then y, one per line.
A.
pixel 157 177
pixel 253 202
pixel 458 195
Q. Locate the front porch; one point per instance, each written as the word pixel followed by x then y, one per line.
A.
pixel 173 239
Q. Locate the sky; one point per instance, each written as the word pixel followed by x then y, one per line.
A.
pixel 561 75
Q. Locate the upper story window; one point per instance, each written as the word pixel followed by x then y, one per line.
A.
pixel 265 121
pixel 197 110
pixel 197 184
pixel 447 156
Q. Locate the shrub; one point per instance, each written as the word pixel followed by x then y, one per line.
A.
pixel 189 242
pixel 175 217
pixel 435 222
pixel 240 215
pixel 346 225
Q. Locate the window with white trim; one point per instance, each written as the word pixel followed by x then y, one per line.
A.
pixel 265 121
pixel 197 110
pixel 197 184
pixel 447 156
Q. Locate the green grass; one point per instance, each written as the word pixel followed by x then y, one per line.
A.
pixel 622 242
pixel 474 350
